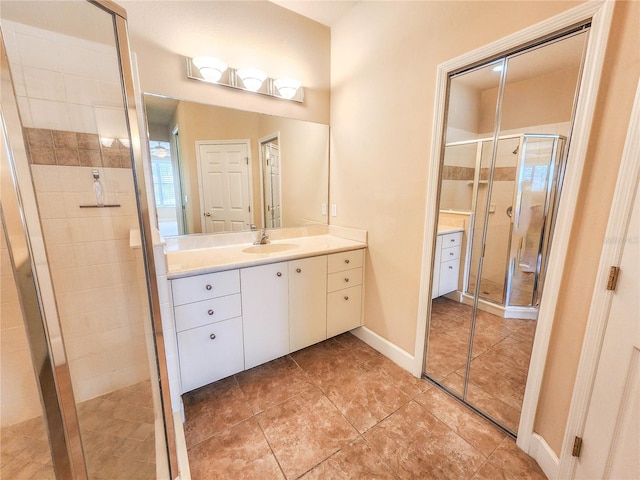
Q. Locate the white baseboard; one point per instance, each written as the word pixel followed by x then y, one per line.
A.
pixel 385 347
pixel 181 448
pixel 542 453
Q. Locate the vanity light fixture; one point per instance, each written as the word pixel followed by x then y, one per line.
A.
pixel 287 87
pixel 252 78
pixel 212 70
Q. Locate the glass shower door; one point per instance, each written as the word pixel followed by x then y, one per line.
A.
pixel 73 144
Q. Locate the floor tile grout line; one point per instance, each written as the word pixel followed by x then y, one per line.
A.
pixel 264 435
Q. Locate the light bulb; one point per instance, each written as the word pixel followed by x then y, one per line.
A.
pixel 288 87
pixel 252 78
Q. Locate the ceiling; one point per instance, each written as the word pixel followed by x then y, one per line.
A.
pixel 326 12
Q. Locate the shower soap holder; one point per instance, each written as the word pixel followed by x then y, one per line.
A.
pixel 97 188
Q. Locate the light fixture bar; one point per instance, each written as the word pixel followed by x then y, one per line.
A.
pixel 285 89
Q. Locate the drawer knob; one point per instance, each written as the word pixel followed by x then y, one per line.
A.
pixel 212 336
pixel 346 297
pixel 346 280
pixel 450 267
pixel 279 274
pixel 451 254
pixel 210 312
pixel 208 287
pixel 346 260
pixel 452 240
pixel 298 270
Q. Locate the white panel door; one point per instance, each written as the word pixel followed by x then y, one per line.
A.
pixel 307 301
pixel 225 186
pixel 272 192
pixel 265 290
pixel 611 448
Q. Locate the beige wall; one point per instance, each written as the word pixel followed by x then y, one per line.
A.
pixel 384 59
pixel 257 34
pixel 620 77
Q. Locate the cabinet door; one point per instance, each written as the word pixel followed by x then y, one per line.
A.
pixel 264 311
pixel 210 352
pixel 307 301
pixel 344 309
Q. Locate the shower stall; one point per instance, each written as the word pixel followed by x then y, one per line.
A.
pixel 84 390
pixel 518 224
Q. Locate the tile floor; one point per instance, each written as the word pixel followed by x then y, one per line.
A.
pixel 500 363
pixel 117 432
pixel 340 410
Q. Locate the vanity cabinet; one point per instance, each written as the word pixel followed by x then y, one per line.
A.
pixel 307 302
pixel 265 297
pixel 208 319
pixel 446 265
pixel 234 320
pixel 344 291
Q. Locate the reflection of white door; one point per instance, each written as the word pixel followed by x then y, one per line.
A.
pixel 611 448
pixel 271 182
pixel 224 185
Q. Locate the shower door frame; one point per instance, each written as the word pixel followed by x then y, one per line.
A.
pixel 599 14
pixel 56 390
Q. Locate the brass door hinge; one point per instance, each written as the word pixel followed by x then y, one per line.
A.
pixel 613 278
pixel 577 447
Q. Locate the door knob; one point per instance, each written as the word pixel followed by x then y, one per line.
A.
pixel 207 214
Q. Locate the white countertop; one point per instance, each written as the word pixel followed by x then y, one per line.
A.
pixel 444 229
pixel 214 259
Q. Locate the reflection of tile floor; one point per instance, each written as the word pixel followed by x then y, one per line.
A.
pixel 340 410
pixel 521 289
pixel 501 354
pixel 117 432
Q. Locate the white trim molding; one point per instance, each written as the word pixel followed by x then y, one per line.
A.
pixel 599 13
pixel 540 450
pixel 385 347
pixel 621 209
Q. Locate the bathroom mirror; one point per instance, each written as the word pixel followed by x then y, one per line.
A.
pixel 218 169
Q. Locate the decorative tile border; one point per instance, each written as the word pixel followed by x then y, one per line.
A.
pixel 58 147
pixel 501 174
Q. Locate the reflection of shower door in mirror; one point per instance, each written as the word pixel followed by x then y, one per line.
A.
pixel 271 183
pixel 224 185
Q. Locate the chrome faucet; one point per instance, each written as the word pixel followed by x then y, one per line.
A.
pixel 263 238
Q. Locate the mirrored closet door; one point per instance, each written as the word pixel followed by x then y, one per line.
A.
pixel 508 124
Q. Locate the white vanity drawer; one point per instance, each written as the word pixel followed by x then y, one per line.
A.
pixel 345 260
pixel 452 253
pixel 344 279
pixel 210 353
pixel 213 310
pixel 451 239
pixel 202 287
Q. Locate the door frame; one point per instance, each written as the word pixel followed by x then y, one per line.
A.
pixel 245 142
pixel 267 138
pixel 599 12
pixel 601 299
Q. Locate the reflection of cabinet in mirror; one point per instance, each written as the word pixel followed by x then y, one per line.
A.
pixel 237 319
pixel 302 150
pixel 446 263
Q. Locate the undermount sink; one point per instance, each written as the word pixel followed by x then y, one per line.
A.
pixel 270 248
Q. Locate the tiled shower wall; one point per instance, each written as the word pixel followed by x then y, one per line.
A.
pixel 19 398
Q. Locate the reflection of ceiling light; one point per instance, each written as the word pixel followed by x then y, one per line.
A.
pixel 210 68
pixel 159 151
pixel 288 87
pixel 252 78
pixel 497 68
pixel 125 142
